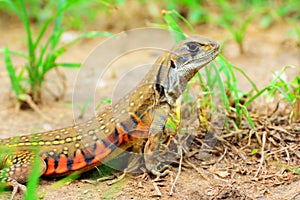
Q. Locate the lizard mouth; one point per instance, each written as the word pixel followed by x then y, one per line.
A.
pixel 213 53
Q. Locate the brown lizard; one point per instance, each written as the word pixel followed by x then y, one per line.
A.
pixel 139 116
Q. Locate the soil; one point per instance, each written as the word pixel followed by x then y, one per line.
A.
pixel 266 51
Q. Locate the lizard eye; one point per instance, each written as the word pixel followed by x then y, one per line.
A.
pixel 193 47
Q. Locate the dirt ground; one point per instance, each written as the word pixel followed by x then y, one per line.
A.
pixel 266 51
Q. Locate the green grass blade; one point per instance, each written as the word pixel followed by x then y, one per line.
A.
pixel 296 85
pixel 247 103
pixel 103 101
pixel 68 65
pixel 246 76
pixel 91 34
pixel 241 71
pixel 233 85
pixel 46 64
pixel 248 117
pixel 33 180
pixel 57 30
pixel 211 78
pixel 285 95
pixel 224 69
pixel 176 31
pixel 26 23
pixel 64 181
pixel 51 19
pixel 51 57
pixel 43 51
pixel 11 72
pixel 219 80
pixel 49 63
pixel 278 75
pixel 240 31
pixel 184 20
pixel 12 6
pixel 17 53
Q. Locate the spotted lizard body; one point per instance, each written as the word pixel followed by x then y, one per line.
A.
pixel 139 116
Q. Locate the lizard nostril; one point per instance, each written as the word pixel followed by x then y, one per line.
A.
pixel 214 45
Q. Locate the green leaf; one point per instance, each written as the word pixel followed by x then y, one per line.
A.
pixel 171 124
pixel 266 21
pixel 22 97
pixel 103 101
pixel 254 151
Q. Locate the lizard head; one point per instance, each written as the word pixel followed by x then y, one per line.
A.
pixel 183 62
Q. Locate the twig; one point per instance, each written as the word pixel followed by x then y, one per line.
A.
pixel 179 170
pixel 287 156
pixel 225 142
pixel 233 133
pixel 274 110
pixel 297 153
pixel 280 129
pixel 219 192
pixel 223 155
pixel 282 149
pixel 158 193
pixel 36 108
pixel 264 136
pixel 249 139
pixel 61 91
pixel 198 170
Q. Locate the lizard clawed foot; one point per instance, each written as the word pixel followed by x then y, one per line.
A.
pixel 110 179
pixel 102 179
pixel 162 172
pixel 115 180
pixel 16 187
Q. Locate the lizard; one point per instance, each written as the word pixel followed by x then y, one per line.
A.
pixel 139 116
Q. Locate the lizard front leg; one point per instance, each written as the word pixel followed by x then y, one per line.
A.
pixel 151 149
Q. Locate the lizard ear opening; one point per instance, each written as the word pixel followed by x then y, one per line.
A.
pixel 172 64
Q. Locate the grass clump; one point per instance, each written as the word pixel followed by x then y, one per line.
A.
pixel 40 57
